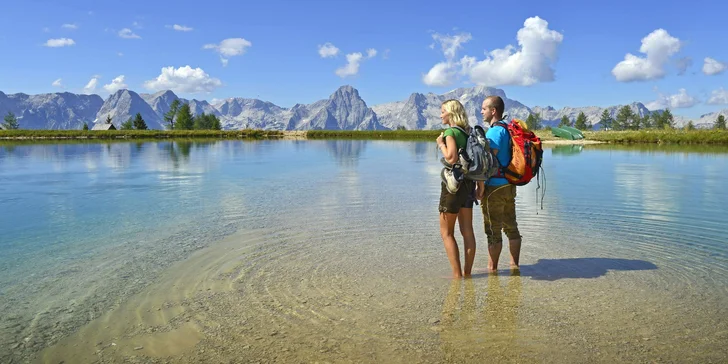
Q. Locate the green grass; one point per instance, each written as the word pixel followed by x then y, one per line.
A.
pixel 139 134
pixel 676 136
pixel 716 137
pixel 374 134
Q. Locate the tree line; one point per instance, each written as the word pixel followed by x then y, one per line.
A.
pixel 625 119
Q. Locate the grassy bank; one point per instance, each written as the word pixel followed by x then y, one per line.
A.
pixel 140 134
pixel 718 137
pixel 715 137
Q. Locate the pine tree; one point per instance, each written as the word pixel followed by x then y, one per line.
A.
pixel 127 125
pixel 720 122
pixel 656 120
pixel 581 121
pixel 216 123
pixel 668 122
pixel 185 120
pixel 11 122
pixel 533 121
pixel 624 118
pixel 565 121
pixel 690 126
pixel 139 123
pixel 170 115
pixel 85 126
pixel 606 120
pixel 645 122
pixel 108 119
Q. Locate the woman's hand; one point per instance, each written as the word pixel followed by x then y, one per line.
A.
pixel 439 139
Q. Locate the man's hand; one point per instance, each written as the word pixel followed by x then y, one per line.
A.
pixel 479 190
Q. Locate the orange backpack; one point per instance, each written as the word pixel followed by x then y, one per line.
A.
pixel 526 156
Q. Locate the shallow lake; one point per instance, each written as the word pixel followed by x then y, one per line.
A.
pixel 329 251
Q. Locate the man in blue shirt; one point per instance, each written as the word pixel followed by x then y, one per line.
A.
pixel 499 197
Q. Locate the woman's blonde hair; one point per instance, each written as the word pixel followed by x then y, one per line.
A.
pixel 457 113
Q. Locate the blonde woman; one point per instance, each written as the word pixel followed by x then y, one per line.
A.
pixel 456 206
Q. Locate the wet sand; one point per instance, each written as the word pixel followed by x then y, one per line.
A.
pixel 266 297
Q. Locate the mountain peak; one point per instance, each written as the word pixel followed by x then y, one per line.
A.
pixel 345 91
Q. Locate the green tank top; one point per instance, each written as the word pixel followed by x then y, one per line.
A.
pixel 461 138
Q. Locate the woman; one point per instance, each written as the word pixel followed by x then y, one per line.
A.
pixel 459 205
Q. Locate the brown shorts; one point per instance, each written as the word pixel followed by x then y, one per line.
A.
pixel 499 213
pixel 463 198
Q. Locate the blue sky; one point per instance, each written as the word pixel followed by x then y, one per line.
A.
pixel 272 49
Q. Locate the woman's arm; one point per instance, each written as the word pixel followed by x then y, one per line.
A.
pixel 449 149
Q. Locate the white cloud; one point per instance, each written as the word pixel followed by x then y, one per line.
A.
pixel 46 30
pixel 126 33
pixel 69 26
pixel 658 47
pixel 183 80
pixel 60 42
pixel 526 66
pixel 137 25
pixel 676 101
pixel 57 83
pixel 91 85
pixel 328 50
pixel 441 74
pixel 371 52
pixel 116 85
pixel 444 73
pixel 120 54
pixel 229 47
pixel 385 55
pixel 718 97
pixel 352 65
pixel 713 67
pixel 180 28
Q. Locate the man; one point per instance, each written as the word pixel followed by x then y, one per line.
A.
pixel 499 197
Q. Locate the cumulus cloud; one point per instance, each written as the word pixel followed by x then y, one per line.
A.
pixel 116 85
pixel 718 97
pixel 91 85
pixel 444 73
pixel 183 80
pixel 525 65
pixel 352 65
pixel 677 101
pixel 70 26
pixel 127 33
pixel 658 47
pixel 713 67
pixel 180 28
pixel 59 42
pixel 371 53
pixel 328 50
pixel 57 83
pixel 683 64
pixel 229 47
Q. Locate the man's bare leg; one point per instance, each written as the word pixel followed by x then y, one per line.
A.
pixel 494 251
pixel 465 220
pixel 447 231
pixel 515 247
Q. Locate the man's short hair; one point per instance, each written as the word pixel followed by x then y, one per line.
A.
pixel 498 104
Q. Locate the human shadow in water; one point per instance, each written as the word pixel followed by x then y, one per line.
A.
pixel 554 269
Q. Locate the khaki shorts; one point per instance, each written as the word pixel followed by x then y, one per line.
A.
pixel 463 198
pixel 499 213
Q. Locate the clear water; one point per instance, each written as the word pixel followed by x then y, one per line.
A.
pixel 304 251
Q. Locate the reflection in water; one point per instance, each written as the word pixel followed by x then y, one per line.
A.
pixel 567 149
pixel 642 188
pixel 481 334
pixel 346 152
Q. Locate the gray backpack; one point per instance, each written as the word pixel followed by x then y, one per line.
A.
pixel 477 160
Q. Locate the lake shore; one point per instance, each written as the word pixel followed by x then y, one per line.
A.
pixel 672 136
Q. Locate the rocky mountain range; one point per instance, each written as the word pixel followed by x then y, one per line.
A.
pixel 343 110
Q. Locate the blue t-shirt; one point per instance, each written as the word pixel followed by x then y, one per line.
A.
pixel 499 139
